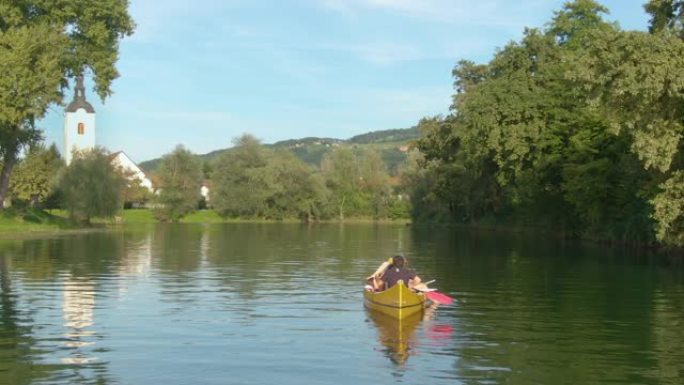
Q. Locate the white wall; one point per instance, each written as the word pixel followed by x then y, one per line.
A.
pixel 72 140
pixel 123 161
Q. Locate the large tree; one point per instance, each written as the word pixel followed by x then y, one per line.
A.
pixel 244 179
pixel 44 43
pixel 180 175
pixel 342 175
pixel 35 177
pixel 253 181
pixel 91 186
pixel 576 126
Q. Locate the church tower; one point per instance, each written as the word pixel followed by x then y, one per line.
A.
pixel 79 123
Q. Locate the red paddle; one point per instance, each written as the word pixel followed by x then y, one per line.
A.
pixel 433 295
pixel 439 298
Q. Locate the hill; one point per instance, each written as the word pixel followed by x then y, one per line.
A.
pixel 311 150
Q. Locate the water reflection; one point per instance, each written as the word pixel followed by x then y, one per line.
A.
pixel 183 304
pixel 78 305
pixel 396 335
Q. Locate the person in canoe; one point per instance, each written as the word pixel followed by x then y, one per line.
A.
pixel 390 272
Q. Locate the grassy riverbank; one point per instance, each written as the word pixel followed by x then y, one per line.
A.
pixel 18 221
pixel 12 220
pixel 210 216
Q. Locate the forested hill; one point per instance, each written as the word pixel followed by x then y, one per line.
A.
pixel 312 149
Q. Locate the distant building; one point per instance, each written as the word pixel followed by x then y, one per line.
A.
pixel 79 135
pixel 204 191
pixel 79 123
pixel 120 160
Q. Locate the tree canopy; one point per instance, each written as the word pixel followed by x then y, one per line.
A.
pixel 577 126
pixel 43 44
pixel 91 187
pixel 36 176
pixel 180 176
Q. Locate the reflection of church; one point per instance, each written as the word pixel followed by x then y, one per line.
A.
pixel 79 135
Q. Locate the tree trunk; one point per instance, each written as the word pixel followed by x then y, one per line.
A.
pixel 341 207
pixel 9 160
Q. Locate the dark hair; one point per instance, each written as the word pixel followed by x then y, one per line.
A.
pixel 398 261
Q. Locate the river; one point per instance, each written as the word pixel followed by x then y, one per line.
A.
pixel 282 304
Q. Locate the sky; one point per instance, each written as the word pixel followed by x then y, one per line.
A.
pixel 201 73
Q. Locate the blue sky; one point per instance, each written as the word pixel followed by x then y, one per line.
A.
pixel 201 73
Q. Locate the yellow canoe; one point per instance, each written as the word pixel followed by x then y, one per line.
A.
pixel 398 301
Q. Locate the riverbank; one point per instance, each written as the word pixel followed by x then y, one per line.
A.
pixel 17 222
pixel 140 216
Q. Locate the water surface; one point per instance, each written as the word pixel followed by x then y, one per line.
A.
pixel 281 303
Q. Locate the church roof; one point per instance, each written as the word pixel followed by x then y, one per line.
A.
pixel 117 154
pixel 79 98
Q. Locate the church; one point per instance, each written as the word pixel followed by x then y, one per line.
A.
pixel 79 135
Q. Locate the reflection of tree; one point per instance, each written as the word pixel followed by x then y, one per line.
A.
pixel 544 311
pixel 396 335
pixel 27 353
pixel 16 363
pixel 668 335
pixel 176 247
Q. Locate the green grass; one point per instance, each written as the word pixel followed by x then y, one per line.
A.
pixel 138 216
pixel 15 220
pixel 210 216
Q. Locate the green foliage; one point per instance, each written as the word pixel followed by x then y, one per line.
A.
pixel 253 181
pixel 394 135
pixel 43 43
pixel 358 183
pixel 242 180
pixel 35 177
pixel 180 176
pixel 342 176
pixel 312 150
pixel 576 127
pixel 666 15
pixel 91 187
pixel 133 192
pixel 669 210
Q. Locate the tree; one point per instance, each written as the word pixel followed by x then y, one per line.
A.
pixel 35 177
pixel 91 186
pixel 374 182
pixel 133 191
pixel 302 193
pixel 180 176
pixel 342 176
pixel 666 15
pixel 43 43
pixel 243 179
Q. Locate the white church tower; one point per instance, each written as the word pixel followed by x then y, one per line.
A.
pixel 79 123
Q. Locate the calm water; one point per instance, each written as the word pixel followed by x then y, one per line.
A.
pixel 281 304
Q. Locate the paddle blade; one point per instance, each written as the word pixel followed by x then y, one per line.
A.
pixel 439 298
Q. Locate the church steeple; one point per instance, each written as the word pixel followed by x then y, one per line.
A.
pixel 79 123
pixel 79 98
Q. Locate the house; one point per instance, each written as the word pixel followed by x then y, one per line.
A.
pixel 130 169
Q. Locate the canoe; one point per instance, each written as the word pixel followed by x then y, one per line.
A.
pixel 398 301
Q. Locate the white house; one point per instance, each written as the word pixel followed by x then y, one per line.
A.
pixel 204 191
pixel 122 161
